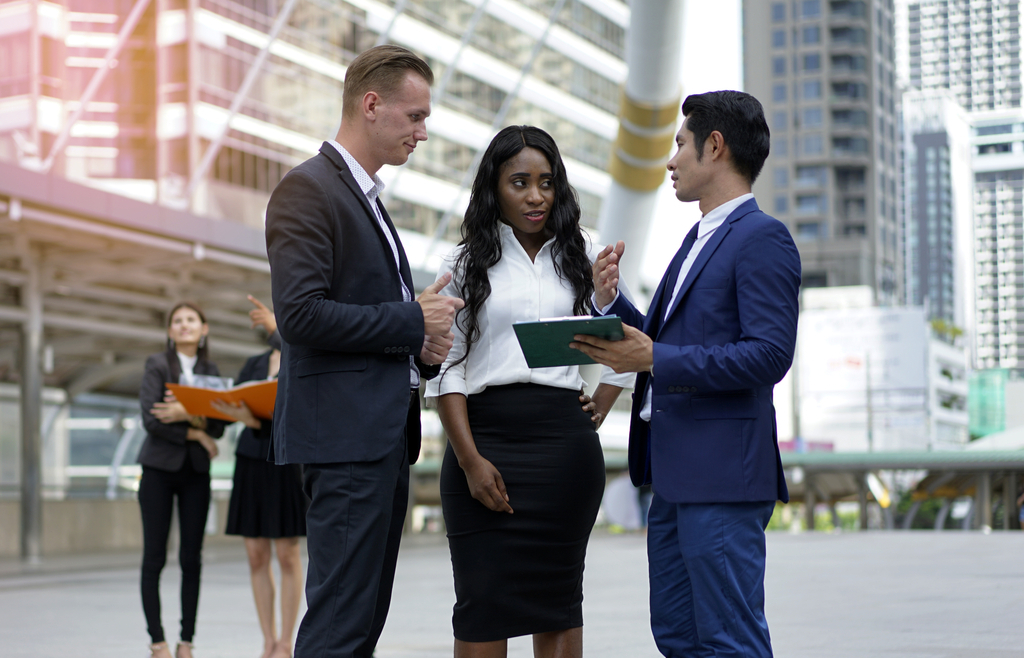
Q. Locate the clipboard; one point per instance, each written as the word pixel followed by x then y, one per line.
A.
pixel 259 396
pixel 545 342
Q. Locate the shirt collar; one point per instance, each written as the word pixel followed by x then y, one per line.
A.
pixel 363 179
pixel 717 217
pixel 508 236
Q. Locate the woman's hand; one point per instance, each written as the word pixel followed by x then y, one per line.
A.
pixel 170 410
pixel 486 485
pixel 239 411
pixel 204 440
pixel 606 274
pixel 261 315
pixel 599 406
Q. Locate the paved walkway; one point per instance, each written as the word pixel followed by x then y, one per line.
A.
pixel 883 595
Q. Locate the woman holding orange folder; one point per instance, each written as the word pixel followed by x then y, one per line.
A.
pixel 267 503
pixel 523 474
pixel 175 458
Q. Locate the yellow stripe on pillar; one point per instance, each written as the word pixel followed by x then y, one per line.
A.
pixel 643 144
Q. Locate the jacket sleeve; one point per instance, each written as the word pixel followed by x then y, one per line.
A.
pixel 152 391
pixel 250 372
pixel 767 289
pixel 301 249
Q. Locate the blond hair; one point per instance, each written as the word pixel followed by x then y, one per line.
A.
pixel 381 69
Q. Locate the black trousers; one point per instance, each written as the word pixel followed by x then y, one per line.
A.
pixel 353 530
pixel 157 491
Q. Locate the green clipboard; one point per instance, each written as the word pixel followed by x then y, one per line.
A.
pixel 545 343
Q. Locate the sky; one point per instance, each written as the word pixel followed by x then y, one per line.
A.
pixel 709 27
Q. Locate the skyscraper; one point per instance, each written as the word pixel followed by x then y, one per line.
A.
pixel 824 70
pixel 971 50
pixel 970 47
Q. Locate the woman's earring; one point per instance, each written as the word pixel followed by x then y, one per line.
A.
pixel 170 343
pixel 202 342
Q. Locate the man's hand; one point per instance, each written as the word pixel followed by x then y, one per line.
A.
pixel 261 315
pixel 634 353
pixel 435 348
pixel 606 274
pixel 239 411
pixel 438 310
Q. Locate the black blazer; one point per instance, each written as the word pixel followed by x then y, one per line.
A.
pixel 255 444
pixel 166 447
pixel 343 389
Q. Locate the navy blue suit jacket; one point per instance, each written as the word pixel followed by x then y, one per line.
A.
pixel 729 339
pixel 343 388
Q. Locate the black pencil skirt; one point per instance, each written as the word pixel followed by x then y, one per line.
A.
pixel 266 500
pixel 522 573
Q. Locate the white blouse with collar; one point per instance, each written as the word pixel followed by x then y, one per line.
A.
pixel 521 291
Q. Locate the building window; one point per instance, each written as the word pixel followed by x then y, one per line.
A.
pixel 853 90
pixel 779 121
pixel 994 130
pixel 850 118
pixel 778 38
pixel 855 36
pixel 810 204
pixel 989 149
pixel 812 117
pixel 810 176
pixel 778 12
pixel 781 147
pixel 810 34
pixel 781 205
pixel 813 145
pixel 811 90
pixel 812 61
pixel 849 63
pixel 808 230
pixel 779 93
pixel 778 66
pixel 810 9
pixel 850 145
pixel 781 177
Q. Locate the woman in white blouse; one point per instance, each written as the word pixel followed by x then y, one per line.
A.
pixel 523 475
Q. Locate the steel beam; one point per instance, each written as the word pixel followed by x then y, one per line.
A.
pixel 1009 500
pixel 499 119
pixel 236 103
pixel 985 501
pixel 31 403
pixel 109 63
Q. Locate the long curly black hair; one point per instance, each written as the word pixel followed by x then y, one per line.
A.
pixel 481 237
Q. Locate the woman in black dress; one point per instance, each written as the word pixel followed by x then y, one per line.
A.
pixel 175 460
pixel 267 503
pixel 520 440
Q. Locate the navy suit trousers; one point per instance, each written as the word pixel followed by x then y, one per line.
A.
pixel 354 527
pixel 706 566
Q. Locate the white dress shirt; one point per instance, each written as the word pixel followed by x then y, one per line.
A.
pixel 188 367
pixel 521 291
pixel 708 224
pixel 372 187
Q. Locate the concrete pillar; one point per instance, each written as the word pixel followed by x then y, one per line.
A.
pixel 809 502
pixel 984 496
pixel 862 500
pixel 1010 501
pixel 648 116
pixel 31 394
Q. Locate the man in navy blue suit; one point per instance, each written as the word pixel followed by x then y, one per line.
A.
pixel 719 334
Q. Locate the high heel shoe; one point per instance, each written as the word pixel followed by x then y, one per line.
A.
pixel 187 653
pixel 159 650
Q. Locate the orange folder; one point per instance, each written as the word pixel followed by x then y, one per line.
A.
pixel 258 396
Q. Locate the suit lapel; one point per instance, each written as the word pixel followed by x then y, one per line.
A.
pixel 709 248
pixel 349 180
pixel 668 282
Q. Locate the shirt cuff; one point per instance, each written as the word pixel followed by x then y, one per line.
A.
pixel 603 311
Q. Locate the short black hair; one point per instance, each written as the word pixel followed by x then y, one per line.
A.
pixel 740 118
